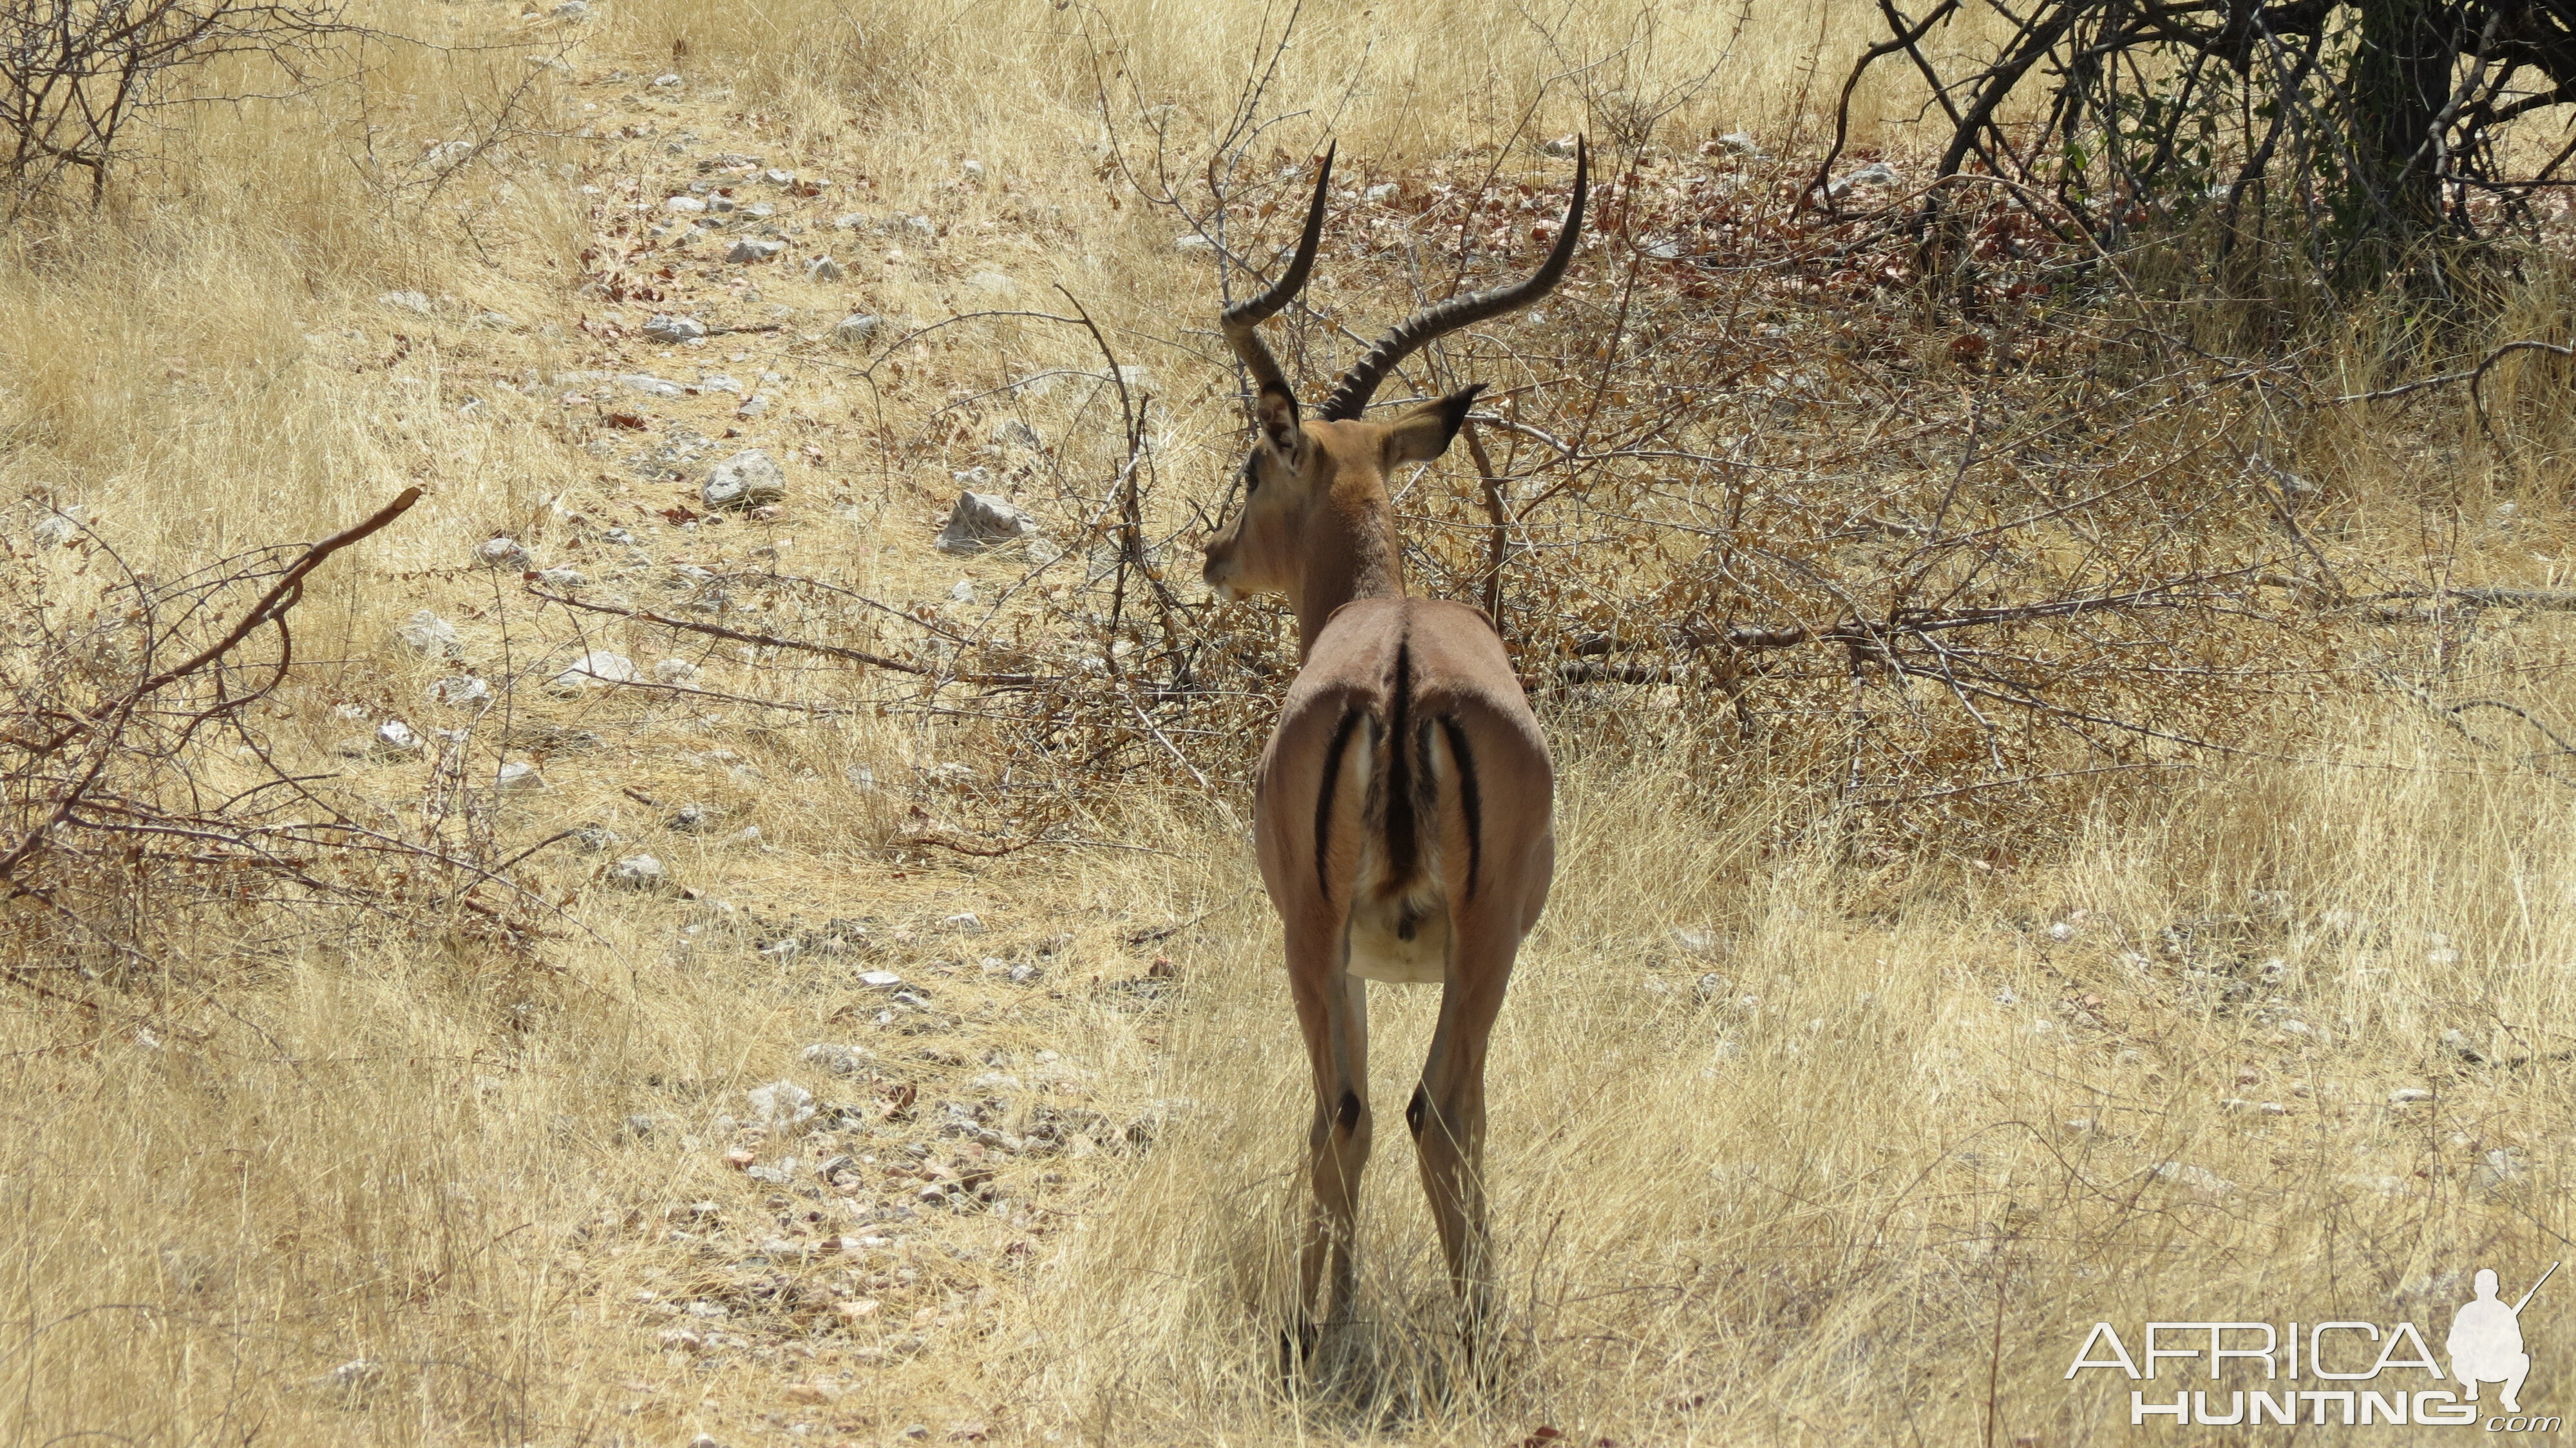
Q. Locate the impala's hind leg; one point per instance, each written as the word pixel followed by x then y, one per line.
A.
pixel 1447 1113
pixel 1332 1006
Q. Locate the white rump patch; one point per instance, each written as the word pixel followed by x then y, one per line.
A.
pixel 1379 953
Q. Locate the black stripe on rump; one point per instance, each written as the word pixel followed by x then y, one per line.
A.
pixel 1324 796
pixel 1470 803
pixel 1403 848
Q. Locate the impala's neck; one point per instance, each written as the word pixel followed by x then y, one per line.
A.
pixel 1350 553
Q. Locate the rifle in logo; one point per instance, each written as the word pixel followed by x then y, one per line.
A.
pixel 2486 1340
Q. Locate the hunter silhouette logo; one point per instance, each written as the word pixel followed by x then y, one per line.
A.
pixel 2341 1373
pixel 2486 1341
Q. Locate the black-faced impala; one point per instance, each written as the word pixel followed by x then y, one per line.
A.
pixel 1402 808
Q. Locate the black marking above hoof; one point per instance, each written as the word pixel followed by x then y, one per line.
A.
pixel 1416 1110
pixel 1349 1115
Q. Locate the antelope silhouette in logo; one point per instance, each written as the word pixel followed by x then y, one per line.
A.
pixel 1402 807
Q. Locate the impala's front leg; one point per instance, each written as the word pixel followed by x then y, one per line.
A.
pixel 1332 1006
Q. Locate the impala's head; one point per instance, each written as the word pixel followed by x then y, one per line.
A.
pixel 1296 463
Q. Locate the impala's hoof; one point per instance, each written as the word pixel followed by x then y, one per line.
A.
pixel 1297 1348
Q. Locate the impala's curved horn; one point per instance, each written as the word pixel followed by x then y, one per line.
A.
pixel 1351 395
pixel 1243 320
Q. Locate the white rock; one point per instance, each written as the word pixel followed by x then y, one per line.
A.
pixel 853 221
pixel 669 80
pixel 501 553
pixel 879 979
pixel 685 205
pixel 1012 432
pixel 430 636
pixel 675 671
pixel 519 777
pixel 963 591
pixel 637 872
pixel 396 737
pixel 973 171
pixel 979 521
pixel 458 690
pixel 1382 191
pixel 667 328
pixel 2197 1178
pixel 404 302
pixel 570 9
pixel 855 329
pixel 55 529
pixel 1743 144
pixel 652 386
pixel 596 667
pixel 1561 146
pixel 563 578
pixel 1194 243
pixel 839 1060
pixel 747 479
pixel 752 248
pixel 781 1104
pixel 822 269
pixel 1877 175
pixel 491 321
pixel 918 228
pixel 965 922
pixel 2409 1096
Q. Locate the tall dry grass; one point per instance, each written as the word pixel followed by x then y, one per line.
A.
pixel 1788 1147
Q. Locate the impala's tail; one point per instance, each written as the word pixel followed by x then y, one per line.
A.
pixel 1417 764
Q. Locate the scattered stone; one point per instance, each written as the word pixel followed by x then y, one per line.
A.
pixel 973 171
pixel 857 329
pixel 1877 175
pixel 56 529
pixel 459 690
pixel 356 746
pixel 1194 243
pixel 519 777
pixel 1025 974
pixel 1560 146
pixel 2196 1178
pixel 667 328
pixel 563 578
pixel 751 249
pixel 963 591
pixel 983 520
pixel 746 479
pixel 502 553
pixel 1741 143
pixel 1382 191
pixel 917 228
pixel 965 922
pixel 2497 1170
pixel 596 667
pixel 750 835
pixel 854 221
pixel 839 1060
pixel 637 872
pixel 675 671
pixel 1013 432
pixel 652 386
pixel 781 1104
pixel 405 302
pixel 823 269
pixel 426 634
pixel 688 819
pixel 396 737
pixel 597 840
pixel 492 321
pixel 669 80
pixel 570 9
pixel 685 205
pixel 879 979
pixel 1695 942
pixel 2409 1096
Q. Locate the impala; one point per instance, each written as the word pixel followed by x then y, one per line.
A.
pixel 1402 806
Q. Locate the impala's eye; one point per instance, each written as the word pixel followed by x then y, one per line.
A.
pixel 1251 476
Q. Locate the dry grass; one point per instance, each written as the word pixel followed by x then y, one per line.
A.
pixel 1794 1142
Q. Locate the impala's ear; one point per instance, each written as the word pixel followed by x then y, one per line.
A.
pixel 1426 431
pixel 1277 411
